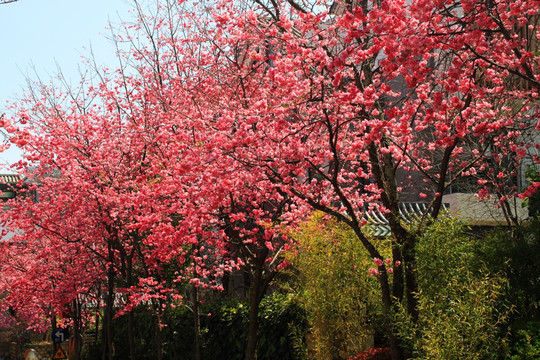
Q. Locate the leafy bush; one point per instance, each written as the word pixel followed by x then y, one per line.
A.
pixel 461 303
pixel 526 340
pixel 515 251
pixel 331 277
pixel 223 331
pixel 282 321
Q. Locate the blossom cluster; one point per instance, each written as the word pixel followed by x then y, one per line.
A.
pixel 379 263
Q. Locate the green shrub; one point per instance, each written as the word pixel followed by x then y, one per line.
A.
pixel 283 323
pixel 472 284
pixel 515 251
pixel 223 331
pixel 525 341
pixel 331 277
pixel 461 303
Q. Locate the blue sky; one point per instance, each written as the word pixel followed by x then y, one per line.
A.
pixel 41 34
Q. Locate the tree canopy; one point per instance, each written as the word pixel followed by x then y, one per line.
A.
pixel 227 122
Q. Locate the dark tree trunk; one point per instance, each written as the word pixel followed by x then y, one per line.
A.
pixel 196 322
pixel 107 336
pixel 107 331
pixel 157 327
pixel 254 301
pixel 159 341
pixel 395 345
pixel 131 315
pixel 96 333
pixel 77 331
pixel 53 325
pixel 397 283
pixel 383 168
pixel 131 335
pixel 411 279
pixel 226 284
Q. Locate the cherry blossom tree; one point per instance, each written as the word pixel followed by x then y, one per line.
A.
pixel 231 120
pixel 244 209
pixel 93 154
pixel 339 109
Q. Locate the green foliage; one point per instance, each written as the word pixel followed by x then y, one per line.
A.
pixel 223 331
pixel 341 299
pixel 461 302
pixel 472 284
pixel 178 336
pixel 144 333
pixel 467 281
pixel 515 251
pixel 281 318
pixel 526 340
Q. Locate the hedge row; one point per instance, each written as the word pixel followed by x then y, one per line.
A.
pixel 223 331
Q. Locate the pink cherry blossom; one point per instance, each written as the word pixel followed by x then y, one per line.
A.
pixel 373 271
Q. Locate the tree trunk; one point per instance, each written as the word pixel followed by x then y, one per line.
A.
pixel 131 315
pixel 395 346
pixel 96 333
pixel 196 322
pixel 77 331
pixel 107 332
pixel 131 335
pixel 53 325
pixel 156 304
pixel 397 282
pixel 106 337
pixel 159 341
pixel 411 280
pixel 254 301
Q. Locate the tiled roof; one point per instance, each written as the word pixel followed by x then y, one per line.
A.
pixel 409 211
pixel 8 184
pixel 10 178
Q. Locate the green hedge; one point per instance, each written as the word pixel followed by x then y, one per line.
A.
pixel 223 331
pixel 462 299
pixel 525 340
